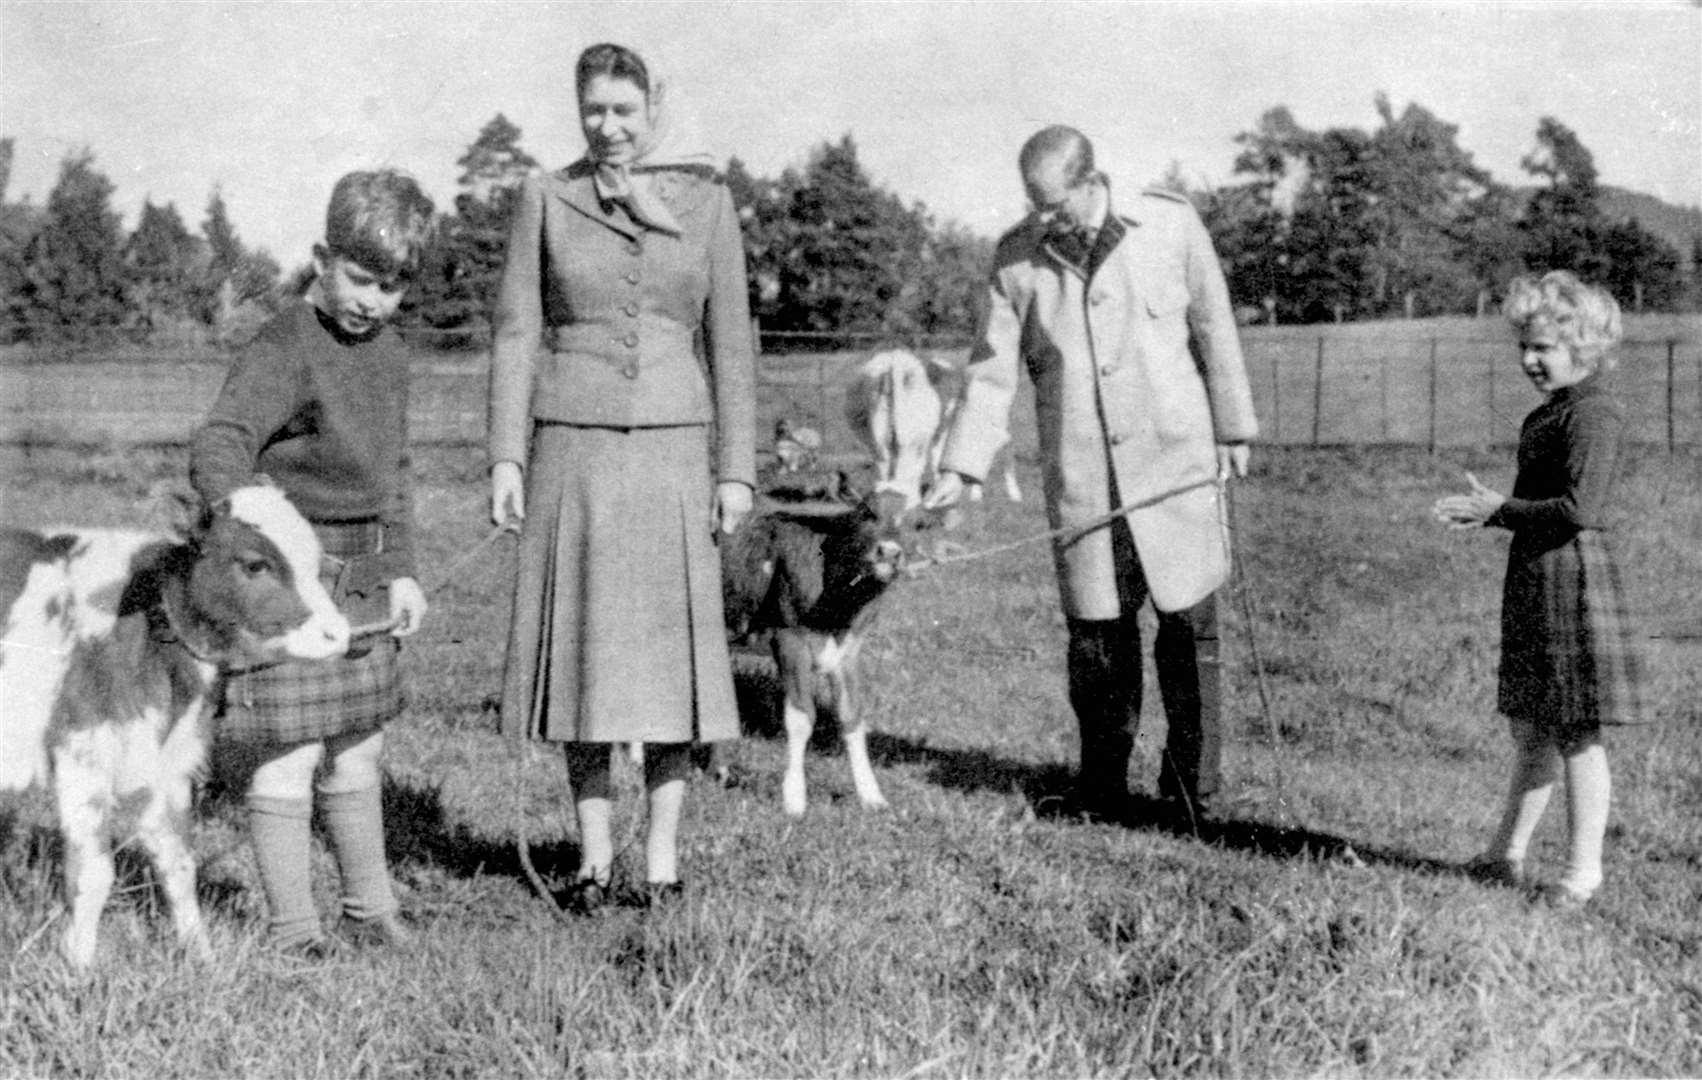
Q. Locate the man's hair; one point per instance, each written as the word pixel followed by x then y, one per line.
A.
pixel 613 61
pixel 1056 142
pixel 380 220
pixel 1585 316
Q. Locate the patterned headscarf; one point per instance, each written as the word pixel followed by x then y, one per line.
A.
pixel 665 147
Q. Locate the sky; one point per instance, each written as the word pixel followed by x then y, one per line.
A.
pixel 272 101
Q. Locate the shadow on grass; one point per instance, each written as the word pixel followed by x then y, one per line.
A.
pixel 419 832
pixel 1050 791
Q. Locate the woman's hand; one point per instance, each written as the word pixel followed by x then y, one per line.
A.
pixel 1468 511
pixel 508 493
pixel 732 504
pixel 407 606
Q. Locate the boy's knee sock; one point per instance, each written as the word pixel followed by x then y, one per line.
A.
pixel 281 830
pixel 355 821
pixel 1588 794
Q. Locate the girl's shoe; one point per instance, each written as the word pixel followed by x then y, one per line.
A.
pixel 1496 870
pixel 1558 896
pixel 663 893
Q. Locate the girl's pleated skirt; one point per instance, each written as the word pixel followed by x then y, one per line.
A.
pixel 1571 653
pixel 617 631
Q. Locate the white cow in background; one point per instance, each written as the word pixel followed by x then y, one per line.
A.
pixel 901 406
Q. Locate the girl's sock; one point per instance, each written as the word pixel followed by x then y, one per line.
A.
pixel 1535 770
pixel 281 830
pixel 1589 791
pixel 355 822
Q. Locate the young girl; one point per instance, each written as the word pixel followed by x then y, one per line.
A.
pixel 1568 661
pixel 319 404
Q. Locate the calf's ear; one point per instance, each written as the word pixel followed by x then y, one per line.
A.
pixel 171 507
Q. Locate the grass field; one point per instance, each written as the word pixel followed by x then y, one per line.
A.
pixel 970 931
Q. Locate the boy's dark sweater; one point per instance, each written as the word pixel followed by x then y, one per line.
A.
pixel 325 416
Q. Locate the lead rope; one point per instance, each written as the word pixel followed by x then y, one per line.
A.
pixel 522 842
pixel 1065 534
pixel 1244 593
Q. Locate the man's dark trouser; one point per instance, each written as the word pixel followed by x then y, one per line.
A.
pixel 1105 674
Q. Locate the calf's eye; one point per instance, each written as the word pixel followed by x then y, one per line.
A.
pixel 256 567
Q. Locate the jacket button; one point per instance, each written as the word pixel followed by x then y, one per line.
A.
pixel 1116 440
pixel 631 309
pixel 1096 298
pixel 630 371
pixel 635 247
pixel 1106 369
pixel 630 341
pixel 634 277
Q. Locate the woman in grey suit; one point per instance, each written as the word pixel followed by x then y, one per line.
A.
pixel 623 443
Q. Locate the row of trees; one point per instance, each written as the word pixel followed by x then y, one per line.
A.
pixel 69 267
pixel 1315 225
pixel 1399 221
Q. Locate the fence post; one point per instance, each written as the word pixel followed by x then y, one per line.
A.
pixel 821 391
pixel 1672 381
pixel 1318 393
pixel 1383 387
pixel 1491 364
pixel 1276 397
pixel 1433 395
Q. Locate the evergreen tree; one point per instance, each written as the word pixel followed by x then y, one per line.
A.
pixel 166 265
pixel 458 280
pixel 856 250
pixel 238 288
pixel 72 275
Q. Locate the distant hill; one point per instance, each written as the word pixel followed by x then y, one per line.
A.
pixel 1680 226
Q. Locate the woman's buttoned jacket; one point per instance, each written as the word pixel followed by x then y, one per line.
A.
pixel 1138 376
pixel 604 323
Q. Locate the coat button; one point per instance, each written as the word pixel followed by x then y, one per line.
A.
pixel 1116 440
pixel 634 277
pixel 630 341
pixel 636 247
pixel 630 371
pixel 1096 298
pixel 1106 369
pixel 631 309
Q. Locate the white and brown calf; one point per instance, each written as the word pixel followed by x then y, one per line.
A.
pixel 810 579
pixel 111 653
pixel 901 407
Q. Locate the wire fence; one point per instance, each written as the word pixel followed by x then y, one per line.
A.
pixel 1309 388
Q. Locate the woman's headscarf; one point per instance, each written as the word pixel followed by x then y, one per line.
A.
pixel 668 145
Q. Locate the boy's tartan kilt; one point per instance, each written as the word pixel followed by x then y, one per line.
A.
pixel 307 700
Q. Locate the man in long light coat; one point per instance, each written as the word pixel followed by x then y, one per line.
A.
pixel 1121 318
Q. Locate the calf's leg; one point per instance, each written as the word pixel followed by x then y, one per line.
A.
pixel 842 685
pixel 797 680
pixel 163 830
pixel 83 804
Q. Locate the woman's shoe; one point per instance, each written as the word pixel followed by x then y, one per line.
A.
pixel 388 931
pixel 1496 870
pixel 587 896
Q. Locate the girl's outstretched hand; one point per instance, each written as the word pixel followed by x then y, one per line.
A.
pixel 1468 511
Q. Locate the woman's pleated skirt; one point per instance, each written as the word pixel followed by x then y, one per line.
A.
pixel 617 632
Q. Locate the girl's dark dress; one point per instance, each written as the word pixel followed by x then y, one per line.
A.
pixel 1570 658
